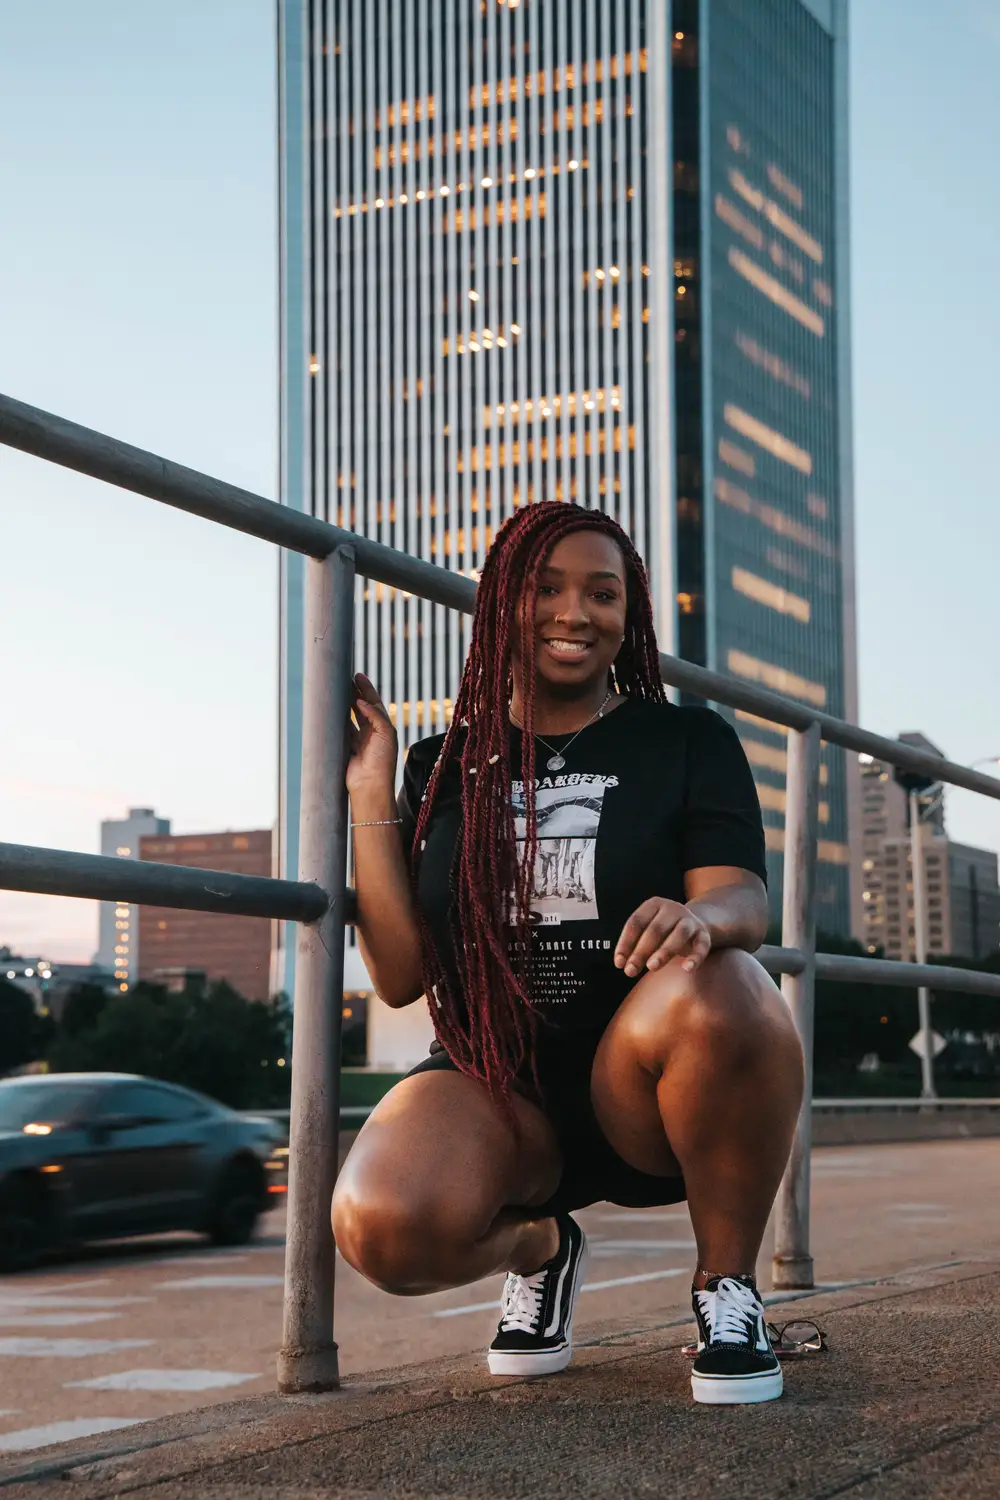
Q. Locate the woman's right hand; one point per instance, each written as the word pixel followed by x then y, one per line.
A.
pixel 373 744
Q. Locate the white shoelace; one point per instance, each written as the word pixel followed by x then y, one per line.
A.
pixel 734 1305
pixel 521 1302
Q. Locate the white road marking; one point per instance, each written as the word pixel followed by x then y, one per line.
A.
pixel 67 1286
pixel 590 1286
pixel 14 1302
pixel 643 1216
pixel 608 1246
pixel 917 1208
pixel 180 1261
pixel 208 1282
pixel 602 1286
pixel 67 1348
pixel 61 1432
pixel 162 1380
pixel 32 1319
pixel 9 1411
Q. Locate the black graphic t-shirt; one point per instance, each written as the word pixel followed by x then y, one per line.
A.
pixel 646 793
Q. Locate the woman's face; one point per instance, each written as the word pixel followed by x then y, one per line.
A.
pixel 579 613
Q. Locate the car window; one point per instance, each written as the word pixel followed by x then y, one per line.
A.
pixel 44 1103
pixel 149 1101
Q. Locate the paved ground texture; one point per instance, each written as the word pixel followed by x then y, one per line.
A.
pixel 904 1406
pixel 140 1330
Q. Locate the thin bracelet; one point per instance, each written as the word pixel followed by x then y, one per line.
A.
pixel 378 823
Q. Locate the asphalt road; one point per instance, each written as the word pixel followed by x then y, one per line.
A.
pixel 144 1328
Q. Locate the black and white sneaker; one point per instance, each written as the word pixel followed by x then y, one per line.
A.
pixel 535 1334
pixel 735 1362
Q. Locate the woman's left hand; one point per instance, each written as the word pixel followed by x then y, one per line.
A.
pixel 658 931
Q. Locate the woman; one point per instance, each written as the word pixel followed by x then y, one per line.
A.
pixel 574 874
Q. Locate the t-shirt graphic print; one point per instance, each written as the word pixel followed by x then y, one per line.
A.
pixel 568 817
pixel 649 792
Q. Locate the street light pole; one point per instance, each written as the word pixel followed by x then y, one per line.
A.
pixel 927 1089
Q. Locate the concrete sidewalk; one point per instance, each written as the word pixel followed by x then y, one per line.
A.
pixel 905 1405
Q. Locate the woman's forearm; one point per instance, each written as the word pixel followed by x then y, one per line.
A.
pixel 387 922
pixel 735 915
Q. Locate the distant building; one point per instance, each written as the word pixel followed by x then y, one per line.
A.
pixel 118 924
pixel 975 901
pixel 178 945
pixel 49 983
pixel 962 897
pixel 591 253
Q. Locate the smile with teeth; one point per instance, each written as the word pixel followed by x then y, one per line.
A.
pixel 574 648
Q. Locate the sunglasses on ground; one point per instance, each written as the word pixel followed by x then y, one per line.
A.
pixel 790 1341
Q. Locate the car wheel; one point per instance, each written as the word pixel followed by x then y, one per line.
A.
pixel 236 1205
pixel 24 1232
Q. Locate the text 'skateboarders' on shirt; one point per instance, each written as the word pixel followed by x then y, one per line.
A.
pixel 647 793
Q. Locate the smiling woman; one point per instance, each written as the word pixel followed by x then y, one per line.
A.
pixel 583 928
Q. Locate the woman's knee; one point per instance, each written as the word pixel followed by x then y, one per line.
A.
pixel 399 1240
pixel 728 1005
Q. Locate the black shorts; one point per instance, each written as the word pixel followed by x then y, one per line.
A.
pixel 593 1172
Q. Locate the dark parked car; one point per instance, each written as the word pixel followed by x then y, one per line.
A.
pixel 91 1156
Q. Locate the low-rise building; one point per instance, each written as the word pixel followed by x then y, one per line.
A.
pixel 177 945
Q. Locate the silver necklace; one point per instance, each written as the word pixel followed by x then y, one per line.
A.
pixel 558 757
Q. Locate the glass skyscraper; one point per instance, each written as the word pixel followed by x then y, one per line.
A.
pixel 590 250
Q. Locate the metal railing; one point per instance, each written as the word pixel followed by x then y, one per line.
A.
pixel 320 902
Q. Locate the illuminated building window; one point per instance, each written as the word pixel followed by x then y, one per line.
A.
pixel 788 226
pixel 769 594
pixel 737 458
pixel 533 85
pixel 766 755
pixel 774 365
pixel 785 563
pixel 828 851
pixel 786 262
pixel 512 211
pixel 123 850
pixel 738 499
pixel 730 214
pixel 765 437
pixel 822 292
pixel 574 403
pixel 784 184
pixel 778 679
pixel 778 294
pixel 749 718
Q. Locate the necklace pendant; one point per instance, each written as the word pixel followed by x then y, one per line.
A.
pixel 555 762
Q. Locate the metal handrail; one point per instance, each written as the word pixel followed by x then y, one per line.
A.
pixel 32 430
pixel 322 903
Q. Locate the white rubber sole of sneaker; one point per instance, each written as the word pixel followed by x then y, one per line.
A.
pixel 548 1361
pixel 738 1390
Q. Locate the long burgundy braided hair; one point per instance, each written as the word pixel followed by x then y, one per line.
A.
pixel 483 1012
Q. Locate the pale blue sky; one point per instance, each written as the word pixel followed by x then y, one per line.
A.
pixel 137 295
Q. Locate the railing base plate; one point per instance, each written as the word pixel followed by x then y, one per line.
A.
pixel 793 1273
pixel 308 1370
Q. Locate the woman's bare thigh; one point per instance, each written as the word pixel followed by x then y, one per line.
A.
pixel 437 1145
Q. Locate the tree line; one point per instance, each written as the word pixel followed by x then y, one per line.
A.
pixel 207 1037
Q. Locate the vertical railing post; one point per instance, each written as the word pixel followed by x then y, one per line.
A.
pixel 793 1264
pixel 307 1360
pixel 927 1089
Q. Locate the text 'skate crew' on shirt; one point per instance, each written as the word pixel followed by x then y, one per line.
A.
pixel 647 793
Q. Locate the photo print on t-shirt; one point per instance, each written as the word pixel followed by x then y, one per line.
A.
pixel 568 814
